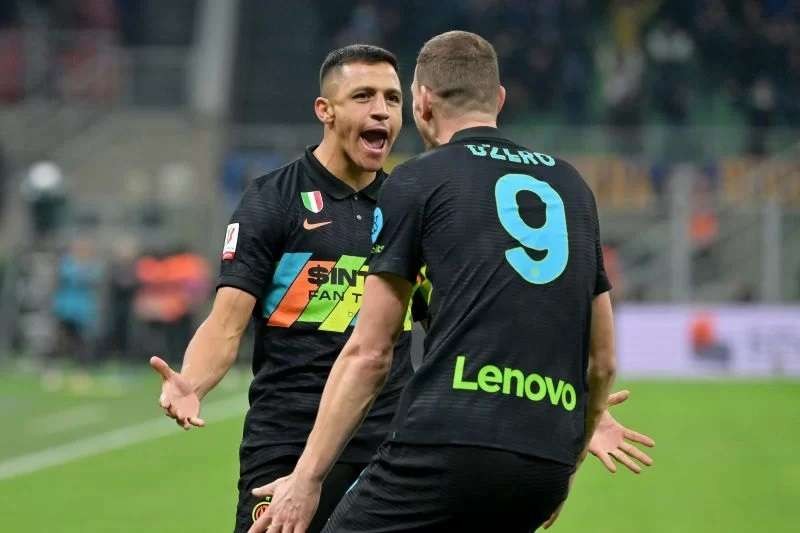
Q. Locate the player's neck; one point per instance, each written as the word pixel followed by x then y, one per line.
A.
pixel 446 128
pixel 337 163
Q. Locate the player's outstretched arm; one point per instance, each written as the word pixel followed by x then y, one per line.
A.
pixel 613 441
pixel 602 369
pixel 356 378
pixel 209 356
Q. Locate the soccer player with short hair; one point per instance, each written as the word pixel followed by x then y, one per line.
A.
pixel 294 259
pixel 519 356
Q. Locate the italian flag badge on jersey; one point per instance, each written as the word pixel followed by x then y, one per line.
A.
pixel 312 200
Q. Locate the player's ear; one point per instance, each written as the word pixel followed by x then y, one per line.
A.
pixel 425 103
pixel 501 98
pixel 323 109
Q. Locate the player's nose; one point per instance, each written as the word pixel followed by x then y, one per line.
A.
pixel 380 109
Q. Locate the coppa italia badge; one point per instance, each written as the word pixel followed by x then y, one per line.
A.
pixel 261 507
pixel 231 238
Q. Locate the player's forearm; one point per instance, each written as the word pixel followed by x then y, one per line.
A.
pixel 210 354
pixel 602 362
pixel 600 378
pixel 356 378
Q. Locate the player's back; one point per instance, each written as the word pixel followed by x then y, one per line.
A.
pixel 510 239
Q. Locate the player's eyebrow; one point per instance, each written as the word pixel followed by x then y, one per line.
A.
pixel 372 90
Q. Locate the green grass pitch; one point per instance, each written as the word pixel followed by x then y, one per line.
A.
pixel 726 459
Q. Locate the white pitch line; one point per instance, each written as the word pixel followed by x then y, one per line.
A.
pixel 67 420
pixel 113 440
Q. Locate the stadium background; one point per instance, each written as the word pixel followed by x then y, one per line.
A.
pixel 129 128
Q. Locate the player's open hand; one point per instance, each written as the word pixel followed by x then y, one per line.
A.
pixel 610 440
pixel 294 502
pixel 178 398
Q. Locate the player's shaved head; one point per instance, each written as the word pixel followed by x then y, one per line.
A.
pixel 461 69
pixel 354 53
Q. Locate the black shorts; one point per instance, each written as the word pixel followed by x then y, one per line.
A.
pixel 409 487
pixel 341 478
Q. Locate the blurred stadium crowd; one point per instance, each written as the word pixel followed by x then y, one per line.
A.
pixel 618 61
pixel 680 114
pixel 621 61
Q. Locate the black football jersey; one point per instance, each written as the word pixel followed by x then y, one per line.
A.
pixel 509 239
pixel 299 242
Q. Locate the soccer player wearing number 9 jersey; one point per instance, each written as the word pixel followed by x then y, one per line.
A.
pixel 519 354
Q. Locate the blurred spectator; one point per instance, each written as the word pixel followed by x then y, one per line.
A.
pixel 670 49
pixel 716 37
pixel 12 71
pixel 628 19
pixel 760 115
pixel 43 189
pixel 790 88
pixel 704 232
pixel 77 299
pixel 363 27
pixel 170 288
pixel 622 93
pixel 576 81
pixel 121 292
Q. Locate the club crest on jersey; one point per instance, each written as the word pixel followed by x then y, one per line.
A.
pixel 312 201
pixel 231 238
pixel 261 507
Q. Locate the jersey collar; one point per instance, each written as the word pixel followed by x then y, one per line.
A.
pixel 479 132
pixel 332 185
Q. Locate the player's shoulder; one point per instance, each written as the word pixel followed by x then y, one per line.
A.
pixel 555 166
pixel 277 184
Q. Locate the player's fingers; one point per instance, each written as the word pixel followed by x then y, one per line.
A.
pixel 625 460
pixel 181 420
pixel 265 490
pixel 639 437
pixel 608 462
pixel 262 524
pixel 618 397
pixel 636 453
pixel 163 401
pixel 196 421
pixel 161 366
pixel 171 412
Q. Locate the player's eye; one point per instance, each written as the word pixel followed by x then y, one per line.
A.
pixel 394 98
pixel 361 97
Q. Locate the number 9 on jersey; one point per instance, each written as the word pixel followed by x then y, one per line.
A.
pixel 550 237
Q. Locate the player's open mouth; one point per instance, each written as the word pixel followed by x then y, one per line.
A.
pixel 375 140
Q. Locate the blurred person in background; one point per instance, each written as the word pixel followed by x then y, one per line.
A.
pixel 670 49
pixel 76 302
pixel 623 94
pixel 44 190
pixel 761 105
pixel 170 286
pixel 122 286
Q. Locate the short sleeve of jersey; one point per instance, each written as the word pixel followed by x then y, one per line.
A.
pixel 397 227
pixel 601 284
pixel 257 229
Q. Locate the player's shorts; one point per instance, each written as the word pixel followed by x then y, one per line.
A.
pixel 341 478
pixel 421 488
